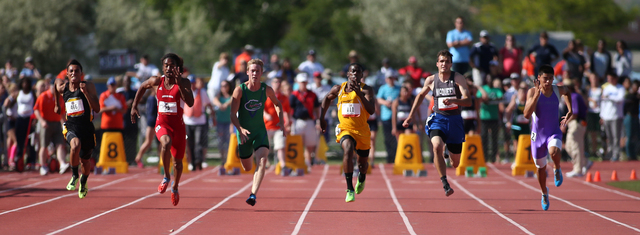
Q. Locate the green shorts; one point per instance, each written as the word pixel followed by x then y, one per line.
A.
pixel 257 139
pixel 593 122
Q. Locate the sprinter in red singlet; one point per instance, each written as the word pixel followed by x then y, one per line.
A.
pixel 173 92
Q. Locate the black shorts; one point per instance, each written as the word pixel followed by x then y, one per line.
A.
pixel 373 125
pixel 361 153
pixel 400 128
pixel 470 125
pixel 86 135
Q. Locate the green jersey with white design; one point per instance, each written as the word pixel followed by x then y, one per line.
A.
pixel 252 107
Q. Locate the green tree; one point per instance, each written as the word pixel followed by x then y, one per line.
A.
pixel 47 30
pixel 588 19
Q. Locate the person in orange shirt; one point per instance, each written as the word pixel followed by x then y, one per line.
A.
pixel 50 129
pixel 271 121
pixel 112 106
pixel 245 56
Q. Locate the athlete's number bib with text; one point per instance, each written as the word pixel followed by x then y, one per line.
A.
pixel 351 110
pixel 168 108
pixel 442 106
pixel 75 107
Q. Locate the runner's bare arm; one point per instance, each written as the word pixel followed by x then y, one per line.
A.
pixel 235 106
pixel 369 100
pixel 567 100
pixel 89 90
pixel 279 110
pixel 185 91
pixel 148 84
pixel 418 101
pixel 326 102
pixel 532 102
pixel 59 89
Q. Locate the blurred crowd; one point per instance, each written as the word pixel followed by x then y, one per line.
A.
pixel 605 101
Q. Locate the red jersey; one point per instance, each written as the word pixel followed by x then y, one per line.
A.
pixel 270 108
pixel 170 104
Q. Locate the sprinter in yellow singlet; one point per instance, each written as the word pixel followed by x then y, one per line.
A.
pixel 355 103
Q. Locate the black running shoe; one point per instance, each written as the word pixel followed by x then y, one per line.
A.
pixel 252 199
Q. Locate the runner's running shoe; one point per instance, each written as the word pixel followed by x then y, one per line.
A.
pixel 448 190
pixel 175 197
pixel 350 196
pixel 359 187
pixel 163 186
pixel 72 183
pixel 83 190
pixel 251 200
pixel 545 200
pixel 557 177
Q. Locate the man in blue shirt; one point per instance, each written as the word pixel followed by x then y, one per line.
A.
pixel 458 41
pixel 386 95
pixel 545 53
pixel 483 57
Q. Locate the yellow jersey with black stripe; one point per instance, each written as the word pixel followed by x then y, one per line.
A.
pixel 353 118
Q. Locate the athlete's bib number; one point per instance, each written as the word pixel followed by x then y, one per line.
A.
pixel 168 108
pixel 74 106
pixel 351 110
pixel 442 106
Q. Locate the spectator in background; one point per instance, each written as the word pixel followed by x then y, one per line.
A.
pixel 144 70
pixel 601 61
pixel 222 102
pixel 40 87
pixel 510 88
pixel 317 87
pixel 219 73
pixel 385 97
pixel 276 72
pixel 490 114
pixel 30 69
pixel 631 121
pixel 516 122
pixel 575 63
pixel 380 76
pixel 50 129
pixel 400 109
pixel 583 52
pixel 414 72
pixel 195 120
pixel 112 108
pixel 353 58
pixel 458 40
pixel 593 114
pixel 4 161
pixel 310 65
pixel 243 58
pixel 611 113
pixel 274 63
pixel 149 133
pixel 131 130
pixel 305 106
pixel 25 101
pixel 241 75
pixel 6 81
pixel 623 59
pixel 544 52
pixel 510 57
pixel 483 59
pixel 575 130
pixel 9 70
pixel 471 113
pixel 288 73
pixel 10 111
pixel 276 136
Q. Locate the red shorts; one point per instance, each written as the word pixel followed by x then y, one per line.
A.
pixel 178 135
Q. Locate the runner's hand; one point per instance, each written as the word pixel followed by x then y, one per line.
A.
pixel 134 114
pixel 323 125
pixel 56 109
pixel 566 118
pixel 407 122
pixel 44 125
pixel 243 135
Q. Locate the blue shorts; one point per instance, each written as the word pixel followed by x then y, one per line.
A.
pixel 452 126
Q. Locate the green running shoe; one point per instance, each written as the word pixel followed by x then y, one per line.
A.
pixel 82 192
pixel 350 196
pixel 359 187
pixel 72 183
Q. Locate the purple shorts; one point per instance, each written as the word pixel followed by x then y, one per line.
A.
pixel 540 143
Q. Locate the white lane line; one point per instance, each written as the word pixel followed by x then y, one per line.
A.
pixel 606 189
pixel 490 207
pixel 395 200
pixel 31 185
pixel 216 206
pixel 129 204
pixel 562 200
pixel 313 197
pixel 71 194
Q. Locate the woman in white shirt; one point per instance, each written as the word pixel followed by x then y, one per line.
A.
pixel 25 102
pixel 593 114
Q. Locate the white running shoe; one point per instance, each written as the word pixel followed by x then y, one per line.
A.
pixel 573 174
pixel 44 170
pixel 64 167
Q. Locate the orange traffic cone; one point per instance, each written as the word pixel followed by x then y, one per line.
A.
pixel 588 179
pixel 633 175
pixel 596 178
pixel 614 175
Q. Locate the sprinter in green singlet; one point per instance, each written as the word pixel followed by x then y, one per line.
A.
pixel 248 103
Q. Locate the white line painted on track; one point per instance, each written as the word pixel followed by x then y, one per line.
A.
pixel 562 200
pixel 71 194
pixel 313 197
pixel 490 207
pixel 606 189
pixel 216 206
pixel 129 204
pixel 395 200
pixel 31 185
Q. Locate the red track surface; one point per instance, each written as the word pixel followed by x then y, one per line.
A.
pixel 212 204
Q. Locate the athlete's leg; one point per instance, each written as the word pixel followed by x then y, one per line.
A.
pixel 178 145
pixel 148 138
pixel 454 154
pixel 539 154
pixel 438 151
pixel 261 155
pixel 75 153
pixel 247 163
pixel 165 154
pixel 372 150
pixel 348 146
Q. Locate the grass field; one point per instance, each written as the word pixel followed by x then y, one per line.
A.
pixel 633 185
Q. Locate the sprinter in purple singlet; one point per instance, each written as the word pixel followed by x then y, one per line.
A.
pixel 546 138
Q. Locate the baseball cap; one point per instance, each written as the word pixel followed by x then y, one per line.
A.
pixel 248 47
pixel 317 74
pixel 302 77
pixel 514 75
pixel 111 81
pixel 28 59
pixel 312 52
pixel 484 33
pixel 506 82
pixel 412 59
pixel 353 53
pixel 192 78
